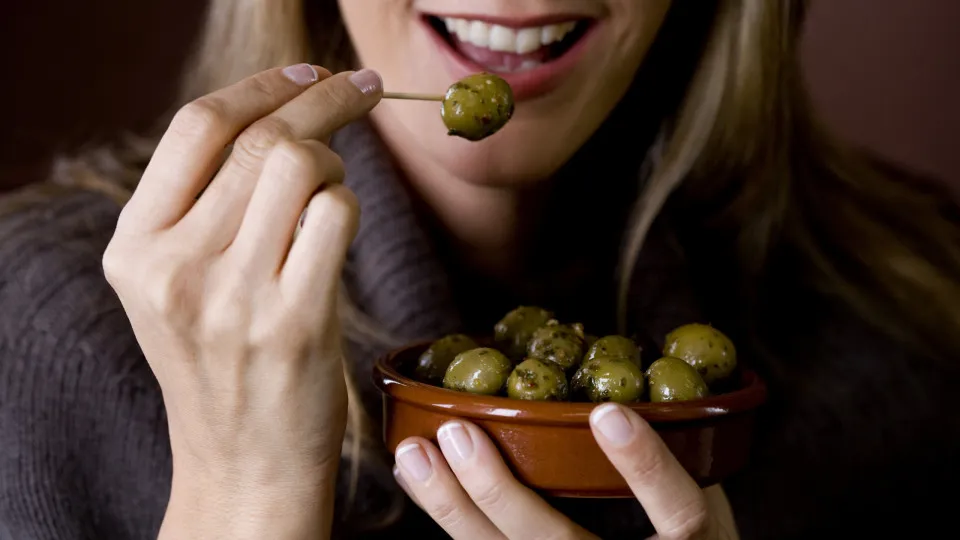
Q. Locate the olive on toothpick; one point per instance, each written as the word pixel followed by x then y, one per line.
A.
pixel 473 108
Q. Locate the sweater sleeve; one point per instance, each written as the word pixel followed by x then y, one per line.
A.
pixel 83 443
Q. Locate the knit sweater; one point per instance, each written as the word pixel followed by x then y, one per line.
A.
pixel 855 439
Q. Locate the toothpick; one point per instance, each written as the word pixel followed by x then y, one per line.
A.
pixel 418 97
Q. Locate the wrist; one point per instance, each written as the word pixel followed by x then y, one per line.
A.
pixel 218 504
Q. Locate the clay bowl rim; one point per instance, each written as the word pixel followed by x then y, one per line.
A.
pixel 398 386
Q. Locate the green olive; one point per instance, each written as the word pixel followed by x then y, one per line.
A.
pixel 672 379
pixel 433 363
pixel 608 378
pixel 478 371
pixel 561 344
pixel 617 346
pixel 537 381
pixel 514 330
pixel 705 348
pixel 477 106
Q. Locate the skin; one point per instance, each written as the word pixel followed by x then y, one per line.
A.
pixel 471 493
pixel 238 321
pixel 455 177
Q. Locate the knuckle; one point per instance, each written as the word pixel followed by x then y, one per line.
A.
pixel 644 466
pixel 224 319
pixel 337 209
pixel 113 263
pixel 334 170
pixel 489 496
pixel 164 289
pixel 201 117
pixel 688 523
pixel 446 513
pixel 296 157
pixel 259 139
pixel 265 85
pixel 337 96
pixel 283 331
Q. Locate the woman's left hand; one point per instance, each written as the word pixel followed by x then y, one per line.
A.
pixel 466 487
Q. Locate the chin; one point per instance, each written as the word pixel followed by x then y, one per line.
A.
pixel 521 154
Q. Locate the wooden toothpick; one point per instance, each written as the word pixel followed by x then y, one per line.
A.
pixel 417 97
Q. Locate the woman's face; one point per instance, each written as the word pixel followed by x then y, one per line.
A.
pixel 568 61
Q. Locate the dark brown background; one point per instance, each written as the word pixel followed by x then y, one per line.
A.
pixel 886 74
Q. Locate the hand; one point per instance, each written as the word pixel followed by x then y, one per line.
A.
pixel 468 489
pixel 236 319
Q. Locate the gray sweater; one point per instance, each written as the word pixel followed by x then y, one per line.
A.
pixel 857 436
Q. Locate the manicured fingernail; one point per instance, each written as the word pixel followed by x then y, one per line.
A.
pixel 368 81
pixel 301 74
pixel 414 461
pixel 612 424
pixel 455 441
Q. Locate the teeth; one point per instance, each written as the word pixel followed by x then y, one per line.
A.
pixel 502 39
pixel 509 40
pixel 528 40
pixel 479 33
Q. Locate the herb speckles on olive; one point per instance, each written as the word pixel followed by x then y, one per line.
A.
pixel 477 106
pixel 695 343
pixel 538 381
pixel 558 343
pixel 512 333
pixel 535 356
pixel 616 346
pixel 608 378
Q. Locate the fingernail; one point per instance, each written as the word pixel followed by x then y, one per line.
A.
pixel 455 441
pixel 414 461
pixel 368 81
pixel 612 424
pixel 301 74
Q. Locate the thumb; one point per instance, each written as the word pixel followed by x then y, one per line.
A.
pixel 673 501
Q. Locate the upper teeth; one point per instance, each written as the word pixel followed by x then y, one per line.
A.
pixel 505 39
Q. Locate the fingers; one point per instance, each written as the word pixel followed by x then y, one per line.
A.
pixel 674 503
pixel 315 261
pixel 292 174
pixel 315 114
pixel 428 480
pixel 192 147
pixel 517 511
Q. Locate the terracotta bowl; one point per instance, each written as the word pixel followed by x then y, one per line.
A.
pixel 549 445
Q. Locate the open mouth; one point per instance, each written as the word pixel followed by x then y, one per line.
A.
pixel 506 50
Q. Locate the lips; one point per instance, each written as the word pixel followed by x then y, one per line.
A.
pixel 533 58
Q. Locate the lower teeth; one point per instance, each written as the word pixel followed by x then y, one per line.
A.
pixel 527 65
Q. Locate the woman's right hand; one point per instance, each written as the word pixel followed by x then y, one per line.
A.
pixel 236 320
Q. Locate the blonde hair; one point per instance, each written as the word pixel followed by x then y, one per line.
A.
pixel 744 124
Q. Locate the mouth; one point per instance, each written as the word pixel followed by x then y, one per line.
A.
pixel 533 56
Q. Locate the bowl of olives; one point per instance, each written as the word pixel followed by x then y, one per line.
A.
pixel 532 384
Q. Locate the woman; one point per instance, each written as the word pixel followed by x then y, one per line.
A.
pixel 198 390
